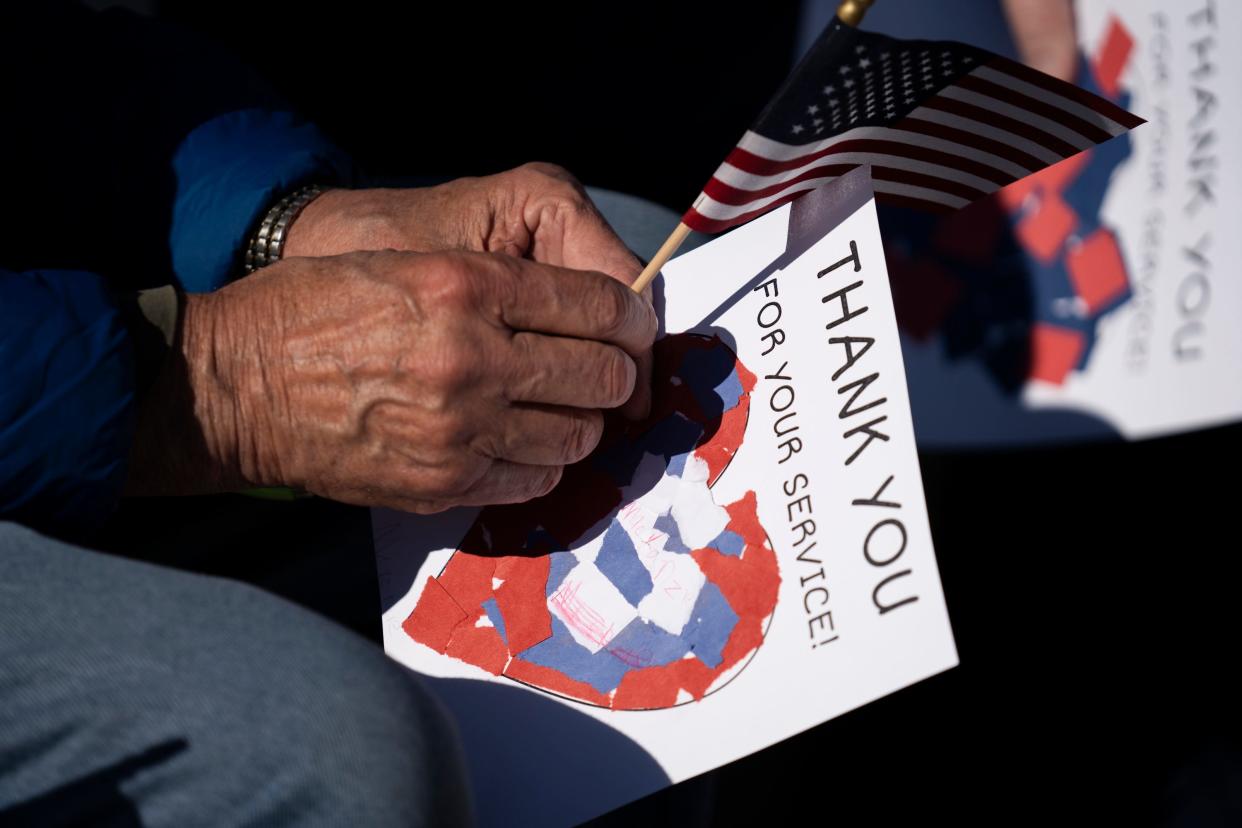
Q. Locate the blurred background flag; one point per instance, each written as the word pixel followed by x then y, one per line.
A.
pixel 941 124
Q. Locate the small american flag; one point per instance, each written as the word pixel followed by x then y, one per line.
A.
pixel 940 123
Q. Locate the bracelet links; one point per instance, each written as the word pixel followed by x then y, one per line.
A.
pixel 268 244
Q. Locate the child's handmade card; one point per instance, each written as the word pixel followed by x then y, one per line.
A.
pixel 751 560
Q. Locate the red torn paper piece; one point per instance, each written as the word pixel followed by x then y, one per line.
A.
pixel 746 638
pixel 522 600
pixel 1055 351
pixel 718 451
pixel 749 583
pixel 1050 182
pixel 1013 196
pixel 468 578
pixel 1043 231
pixel 653 688
pixel 548 679
pixel 1058 177
pixel 1112 57
pixel 434 617
pixel 514 566
pixel 480 646
pixel 1096 270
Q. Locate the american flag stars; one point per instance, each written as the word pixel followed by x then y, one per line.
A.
pixel 941 124
pixel 877 83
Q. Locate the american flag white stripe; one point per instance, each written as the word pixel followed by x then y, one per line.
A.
pixel 987 131
pixel 1069 136
pixel 1051 98
pixel 921 193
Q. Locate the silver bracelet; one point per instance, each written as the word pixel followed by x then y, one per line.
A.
pixel 268 244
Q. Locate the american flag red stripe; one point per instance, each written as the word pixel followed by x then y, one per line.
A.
pixel 1092 131
pixel 1095 103
pixel 998 120
pixel 973 140
pixel 986 128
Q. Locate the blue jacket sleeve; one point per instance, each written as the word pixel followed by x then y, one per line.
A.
pixel 140 156
pixel 66 400
pixel 229 171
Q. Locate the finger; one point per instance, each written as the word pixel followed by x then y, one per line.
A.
pixel 507 482
pixel 1044 33
pixel 546 435
pixel 562 371
pixel 638 406
pixel 579 303
pixel 590 243
pixel 567 229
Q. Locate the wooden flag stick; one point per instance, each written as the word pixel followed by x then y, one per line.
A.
pixel 850 13
pixel 662 256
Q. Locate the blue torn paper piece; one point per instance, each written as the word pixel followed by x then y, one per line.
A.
pixel 729 543
pixel 713 362
pixel 618 560
pixel 666 524
pixel 710 625
pixel 677 464
pixel 601 670
pixel 559 565
pixel 643 644
pixel 493 614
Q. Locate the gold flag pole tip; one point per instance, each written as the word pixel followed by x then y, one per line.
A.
pixel 851 12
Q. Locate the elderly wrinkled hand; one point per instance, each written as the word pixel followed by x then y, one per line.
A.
pixel 416 381
pixel 537 211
